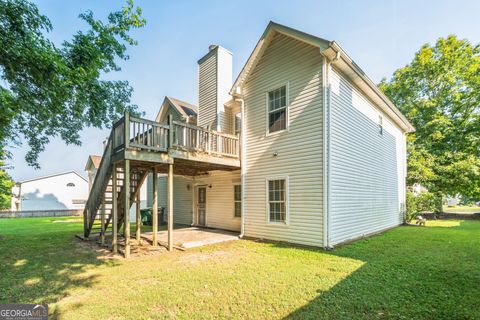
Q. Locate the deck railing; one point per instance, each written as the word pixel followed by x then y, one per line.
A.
pixel 149 135
pixel 194 138
pixel 143 134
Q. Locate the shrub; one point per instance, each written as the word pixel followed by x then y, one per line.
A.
pixel 422 202
pixel 411 211
pixel 426 202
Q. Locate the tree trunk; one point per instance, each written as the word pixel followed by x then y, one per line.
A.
pixel 439 209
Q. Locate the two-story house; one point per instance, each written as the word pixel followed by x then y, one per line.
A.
pixel 302 147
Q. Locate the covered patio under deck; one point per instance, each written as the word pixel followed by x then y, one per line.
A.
pixel 172 236
pixel 138 147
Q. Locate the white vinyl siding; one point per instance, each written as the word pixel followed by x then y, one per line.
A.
pixel 182 197
pixel 220 199
pixel 224 84
pixel 176 116
pixel 299 148
pixel 207 91
pixel 52 193
pixel 367 165
pixel 215 81
pixel 227 122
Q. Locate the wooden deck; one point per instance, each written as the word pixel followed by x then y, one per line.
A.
pixel 137 147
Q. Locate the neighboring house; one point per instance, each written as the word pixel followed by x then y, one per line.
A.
pixel 61 191
pixel 452 202
pixel 303 147
pixel 91 168
pixel 418 189
pixel 179 110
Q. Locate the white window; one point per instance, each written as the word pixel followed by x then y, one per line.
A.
pixel 277 200
pixel 237 198
pixel 277 109
pixel 238 123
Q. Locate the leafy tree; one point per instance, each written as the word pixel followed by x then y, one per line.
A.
pixel 6 185
pixel 50 90
pixel 439 92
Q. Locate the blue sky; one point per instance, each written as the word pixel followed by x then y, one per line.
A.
pixel 381 36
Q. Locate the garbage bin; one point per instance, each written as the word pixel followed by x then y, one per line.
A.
pixel 146 215
pixel 161 216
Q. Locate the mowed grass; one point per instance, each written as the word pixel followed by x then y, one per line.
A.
pixel 406 273
pixel 461 209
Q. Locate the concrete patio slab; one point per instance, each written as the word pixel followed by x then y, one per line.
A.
pixel 192 237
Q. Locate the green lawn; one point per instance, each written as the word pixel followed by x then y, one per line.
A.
pixel 461 209
pixel 406 273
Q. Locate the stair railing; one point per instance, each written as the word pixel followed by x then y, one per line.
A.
pixel 133 132
pixel 100 183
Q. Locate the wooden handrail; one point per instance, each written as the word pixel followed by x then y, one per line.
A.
pixel 136 133
pixel 99 185
pixel 135 119
pixel 139 133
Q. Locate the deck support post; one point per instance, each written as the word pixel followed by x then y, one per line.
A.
pixel 155 207
pixel 170 207
pixel 114 210
pixel 126 209
pixel 102 217
pixel 86 221
pixel 138 230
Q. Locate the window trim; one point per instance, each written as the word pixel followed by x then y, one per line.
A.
pixel 287 107
pixel 287 201
pixel 235 123
pixel 235 201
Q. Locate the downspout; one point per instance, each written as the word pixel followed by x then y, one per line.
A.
pixel 325 143
pixel 327 178
pixel 242 162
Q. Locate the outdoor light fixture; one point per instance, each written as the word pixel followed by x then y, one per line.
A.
pixel 275 153
pixel 188 187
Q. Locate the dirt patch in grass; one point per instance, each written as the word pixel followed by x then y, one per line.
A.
pixel 2 237
pixel 199 257
pixel 137 249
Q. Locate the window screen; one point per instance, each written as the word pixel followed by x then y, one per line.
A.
pixel 277 109
pixel 277 200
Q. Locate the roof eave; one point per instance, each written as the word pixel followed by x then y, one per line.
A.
pixel 328 49
pixel 271 29
pixel 374 92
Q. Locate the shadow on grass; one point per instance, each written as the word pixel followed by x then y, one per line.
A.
pixel 42 260
pixel 424 273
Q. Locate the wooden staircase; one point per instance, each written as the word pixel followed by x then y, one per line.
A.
pixel 137 147
pixel 104 201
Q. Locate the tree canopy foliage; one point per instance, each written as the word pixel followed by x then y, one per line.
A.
pixel 6 185
pixel 49 90
pixel 439 93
